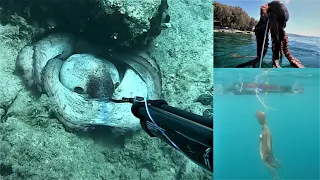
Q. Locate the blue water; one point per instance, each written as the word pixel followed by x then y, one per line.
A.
pixel 305 48
pixel 294 125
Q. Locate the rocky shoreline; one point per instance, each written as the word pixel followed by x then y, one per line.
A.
pixel 233 31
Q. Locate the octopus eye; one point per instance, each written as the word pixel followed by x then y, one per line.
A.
pixel 78 90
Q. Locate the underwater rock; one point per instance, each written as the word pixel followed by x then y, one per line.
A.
pixel 205 99
pixel 208 113
pixel 115 23
pixel 2 113
pixel 5 169
pixel 80 85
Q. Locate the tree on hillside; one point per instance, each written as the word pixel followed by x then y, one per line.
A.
pixel 234 17
pixel 252 22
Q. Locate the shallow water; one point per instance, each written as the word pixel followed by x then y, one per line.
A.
pixel 294 125
pixel 306 49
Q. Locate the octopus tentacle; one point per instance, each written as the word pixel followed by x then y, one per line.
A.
pixel 275 50
pixel 281 49
pixel 259 33
pixel 293 61
pixel 273 173
pixel 273 164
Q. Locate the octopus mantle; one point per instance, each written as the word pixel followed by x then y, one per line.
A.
pixel 80 83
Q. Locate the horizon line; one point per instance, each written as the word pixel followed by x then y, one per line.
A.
pixel 317 36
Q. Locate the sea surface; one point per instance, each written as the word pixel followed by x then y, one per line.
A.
pixel 305 48
pixel 293 122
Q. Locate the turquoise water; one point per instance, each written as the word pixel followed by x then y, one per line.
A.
pixel 294 125
pixel 306 49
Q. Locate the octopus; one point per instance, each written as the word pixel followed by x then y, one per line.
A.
pixel 80 79
pixel 273 18
pixel 266 151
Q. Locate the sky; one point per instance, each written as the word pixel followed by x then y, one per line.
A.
pixel 304 16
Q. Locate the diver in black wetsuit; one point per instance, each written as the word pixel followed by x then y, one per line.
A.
pixel 187 132
pixel 244 88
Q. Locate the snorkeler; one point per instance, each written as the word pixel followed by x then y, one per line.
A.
pixel 244 88
pixel 189 133
pixel 266 151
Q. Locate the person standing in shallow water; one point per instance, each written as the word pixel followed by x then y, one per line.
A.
pixel 266 151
